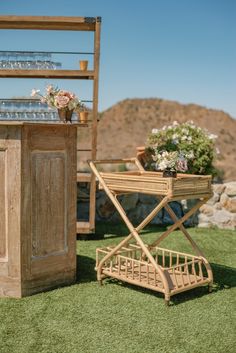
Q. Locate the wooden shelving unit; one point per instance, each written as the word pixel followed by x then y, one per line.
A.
pixel 92 24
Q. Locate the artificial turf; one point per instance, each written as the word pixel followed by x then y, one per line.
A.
pixel 121 318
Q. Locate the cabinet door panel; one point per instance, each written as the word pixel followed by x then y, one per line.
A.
pixel 49 195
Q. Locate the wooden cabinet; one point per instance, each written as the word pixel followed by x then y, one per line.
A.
pixel 37 207
pixel 87 24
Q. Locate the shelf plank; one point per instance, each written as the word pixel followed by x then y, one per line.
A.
pixel 49 23
pixel 83 228
pixel 83 177
pixel 69 74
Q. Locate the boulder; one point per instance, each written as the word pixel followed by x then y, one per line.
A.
pixel 206 209
pixel 224 199
pixel 215 198
pixel 230 188
pixel 218 188
pixel 222 219
pixel 230 205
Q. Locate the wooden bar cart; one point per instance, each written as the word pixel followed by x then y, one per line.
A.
pixel 150 266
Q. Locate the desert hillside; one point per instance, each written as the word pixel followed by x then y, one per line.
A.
pixel 127 124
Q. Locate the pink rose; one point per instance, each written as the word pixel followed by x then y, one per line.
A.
pixel 61 101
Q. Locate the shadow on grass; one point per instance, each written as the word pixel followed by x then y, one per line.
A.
pixel 224 278
pixel 85 272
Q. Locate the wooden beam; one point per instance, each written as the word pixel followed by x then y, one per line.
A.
pixel 69 74
pixel 49 23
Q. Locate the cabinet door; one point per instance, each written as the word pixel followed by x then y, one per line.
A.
pixel 49 206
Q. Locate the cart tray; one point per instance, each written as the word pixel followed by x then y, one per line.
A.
pixel 154 183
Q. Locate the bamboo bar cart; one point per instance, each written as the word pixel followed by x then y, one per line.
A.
pixel 150 266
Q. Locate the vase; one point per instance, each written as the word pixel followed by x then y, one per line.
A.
pixel 65 115
pixel 167 173
pixel 83 117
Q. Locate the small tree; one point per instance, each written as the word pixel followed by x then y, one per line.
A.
pixel 197 145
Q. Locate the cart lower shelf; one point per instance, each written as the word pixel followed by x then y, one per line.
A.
pixel 176 272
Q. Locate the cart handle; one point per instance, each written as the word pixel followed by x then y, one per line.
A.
pixel 117 161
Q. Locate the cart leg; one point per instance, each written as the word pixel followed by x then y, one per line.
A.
pixel 167 299
pixel 99 278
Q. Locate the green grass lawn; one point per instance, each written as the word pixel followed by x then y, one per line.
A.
pixel 120 318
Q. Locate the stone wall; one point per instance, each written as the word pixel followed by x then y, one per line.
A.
pixel 219 211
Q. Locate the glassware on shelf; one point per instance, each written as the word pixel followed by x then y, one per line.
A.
pixel 28 61
pixel 25 109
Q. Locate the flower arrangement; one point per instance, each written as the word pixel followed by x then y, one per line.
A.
pixel 57 98
pixel 173 161
pixel 184 147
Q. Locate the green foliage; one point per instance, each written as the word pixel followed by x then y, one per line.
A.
pixel 188 139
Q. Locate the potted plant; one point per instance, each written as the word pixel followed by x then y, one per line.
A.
pixel 191 143
pixel 65 102
pixel 82 112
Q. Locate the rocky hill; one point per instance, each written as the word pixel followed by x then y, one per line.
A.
pixel 127 124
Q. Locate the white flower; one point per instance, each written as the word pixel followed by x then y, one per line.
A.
pixel 212 136
pixel 185 131
pixel 163 165
pixel 34 92
pixel 189 155
pixel 175 136
pixel 183 138
pixel 49 88
pixel 155 131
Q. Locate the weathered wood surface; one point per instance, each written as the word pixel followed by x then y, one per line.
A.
pixel 55 74
pixel 38 222
pixel 10 180
pixel 48 23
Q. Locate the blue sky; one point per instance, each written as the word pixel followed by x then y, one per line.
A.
pixel 181 50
